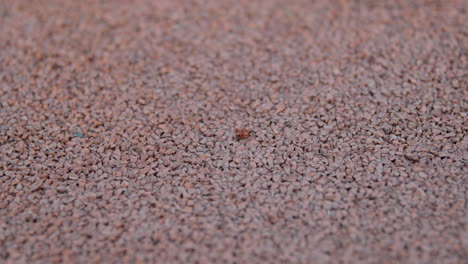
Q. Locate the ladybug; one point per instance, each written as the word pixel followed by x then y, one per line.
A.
pixel 243 133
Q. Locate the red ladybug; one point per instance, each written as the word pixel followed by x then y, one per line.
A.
pixel 243 133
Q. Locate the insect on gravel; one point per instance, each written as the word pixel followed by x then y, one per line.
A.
pixel 243 133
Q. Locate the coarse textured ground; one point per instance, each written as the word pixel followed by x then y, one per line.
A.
pixel 118 118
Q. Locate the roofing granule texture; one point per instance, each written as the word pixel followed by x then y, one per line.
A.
pixel 118 131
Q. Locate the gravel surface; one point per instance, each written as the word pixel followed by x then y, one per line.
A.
pixel 118 131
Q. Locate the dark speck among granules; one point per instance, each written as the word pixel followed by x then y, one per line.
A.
pixel 118 120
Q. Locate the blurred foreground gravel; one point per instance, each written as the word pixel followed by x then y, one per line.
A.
pixel 118 119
